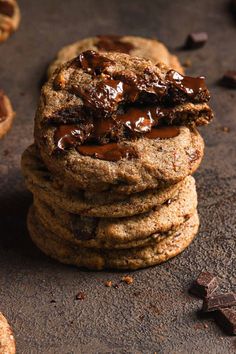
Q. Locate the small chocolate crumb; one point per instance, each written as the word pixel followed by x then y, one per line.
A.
pixel 52 301
pixel 187 63
pixel 80 296
pixel 204 285
pixel 226 319
pixel 219 301
pixel 115 286
pixel 229 79
pixel 127 279
pixel 196 40
pixel 108 283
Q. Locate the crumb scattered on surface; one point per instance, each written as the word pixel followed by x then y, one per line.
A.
pixel 115 286
pixel 206 325
pixel 225 129
pixel 108 283
pixel 52 301
pixel 80 296
pixel 127 279
pixel 187 63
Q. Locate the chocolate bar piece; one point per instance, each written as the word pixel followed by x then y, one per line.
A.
pixel 226 319
pixel 229 79
pixel 196 40
pixel 219 301
pixel 204 285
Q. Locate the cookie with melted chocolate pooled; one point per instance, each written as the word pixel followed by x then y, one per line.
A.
pixel 147 48
pixel 9 18
pixel 112 121
pixel 162 249
pixel 6 114
pixel 124 232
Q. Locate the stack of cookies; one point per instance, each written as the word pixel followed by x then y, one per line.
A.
pixel 115 146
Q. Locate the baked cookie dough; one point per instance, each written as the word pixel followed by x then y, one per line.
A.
pixel 66 252
pixel 7 341
pixel 135 46
pixel 89 101
pixel 120 232
pixel 42 183
pixel 6 114
pixel 9 18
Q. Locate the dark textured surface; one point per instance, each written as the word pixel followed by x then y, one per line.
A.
pixel 155 313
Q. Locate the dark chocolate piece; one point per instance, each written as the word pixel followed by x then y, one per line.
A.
pixel 113 43
pixel 229 79
pixel 219 301
pixel 80 296
pixel 196 40
pixel 204 285
pixel 226 319
pixel 6 8
pixel 83 227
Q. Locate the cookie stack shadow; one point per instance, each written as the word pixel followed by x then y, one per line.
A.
pixel 126 204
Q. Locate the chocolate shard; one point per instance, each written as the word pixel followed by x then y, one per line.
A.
pixel 229 79
pixel 226 319
pixel 204 285
pixel 219 301
pixel 196 40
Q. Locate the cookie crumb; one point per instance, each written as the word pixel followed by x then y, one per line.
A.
pixel 80 296
pixel 187 63
pixel 225 129
pixel 108 283
pixel 52 301
pixel 115 286
pixel 127 279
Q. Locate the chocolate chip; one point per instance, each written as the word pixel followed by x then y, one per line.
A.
pixel 229 79
pixel 204 285
pixel 83 227
pixel 226 319
pixel 80 296
pixel 219 301
pixel 6 8
pixel 196 40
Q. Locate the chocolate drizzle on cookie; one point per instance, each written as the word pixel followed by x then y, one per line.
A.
pixel 120 105
pixel 111 43
pixel 3 108
pixel 6 8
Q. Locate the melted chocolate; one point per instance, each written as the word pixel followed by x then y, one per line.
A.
pixel 192 86
pixel 114 44
pixel 70 135
pixel 163 133
pixel 6 8
pixel 109 152
pixel 3 109
pixel 92 62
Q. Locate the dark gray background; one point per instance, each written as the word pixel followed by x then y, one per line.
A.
pixel 155 314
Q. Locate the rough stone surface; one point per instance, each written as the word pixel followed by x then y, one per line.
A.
pixel 155 313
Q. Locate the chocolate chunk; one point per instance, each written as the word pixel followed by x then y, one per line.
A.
pixel 83 227
pixel 226 319
pixel 6 8
pixel 219 301
pixel 114 44
pixel 204 285
pixel 229 79
pixel 80 296
pixel 109 152
pixel 196 40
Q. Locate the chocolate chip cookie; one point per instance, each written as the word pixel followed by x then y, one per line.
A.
pixel 105 120
pixel 9 18
pixel 6 114
pixel 7 341
pixel 135 46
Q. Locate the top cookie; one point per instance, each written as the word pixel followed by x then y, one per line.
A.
pixel 99 106
pixel 9 18
pixel 135 46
